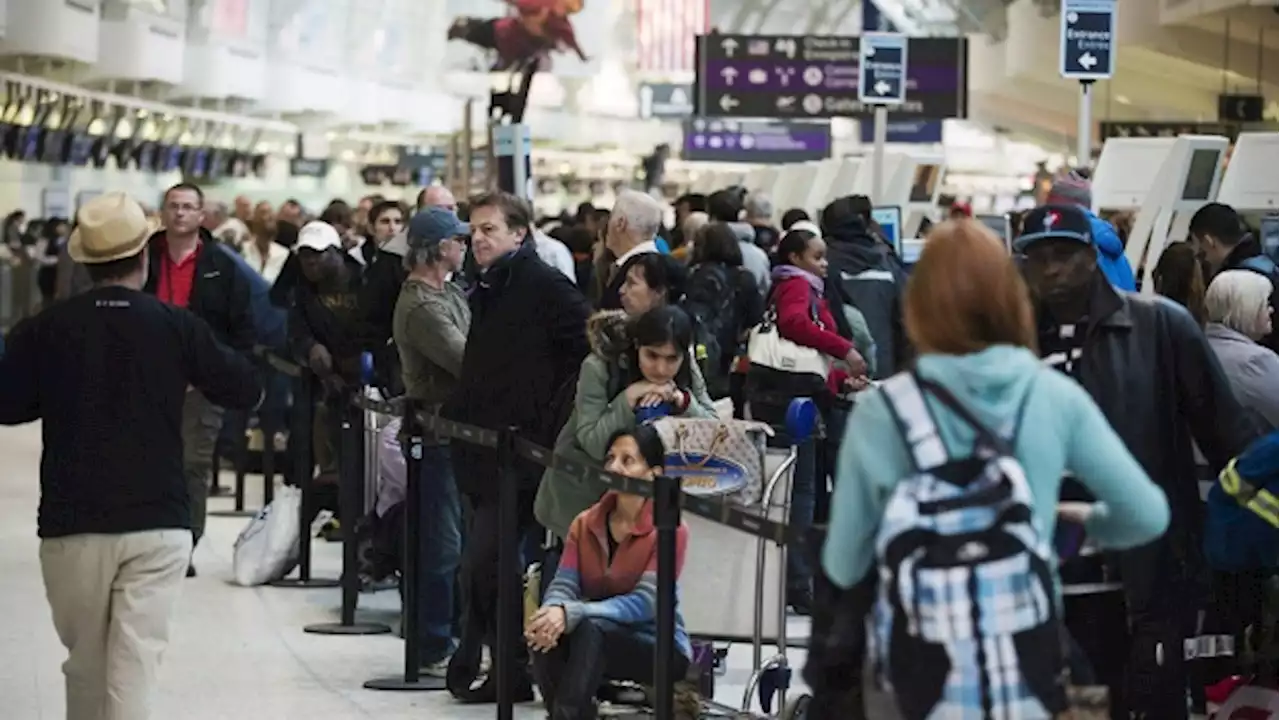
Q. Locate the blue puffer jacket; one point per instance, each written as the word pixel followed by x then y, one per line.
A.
pixel 1111 253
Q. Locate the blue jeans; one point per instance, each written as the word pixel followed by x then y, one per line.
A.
pixel 440 547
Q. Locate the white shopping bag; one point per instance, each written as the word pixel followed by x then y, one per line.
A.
pixel 267 548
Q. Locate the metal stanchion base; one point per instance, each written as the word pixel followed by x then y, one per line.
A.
pixel 400 684
pixel 299 583
pixel 233 513
pixel 352 629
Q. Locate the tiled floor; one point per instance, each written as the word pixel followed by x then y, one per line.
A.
pixel 237 653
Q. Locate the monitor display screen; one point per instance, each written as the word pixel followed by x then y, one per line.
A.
pixel 889 218
pixel 1204 165
pixel 1269 232
pixel 925 182
pixel 998 224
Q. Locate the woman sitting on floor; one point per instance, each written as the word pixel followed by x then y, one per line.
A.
pixel 598 617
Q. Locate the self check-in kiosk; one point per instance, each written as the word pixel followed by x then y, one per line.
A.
pixel 1250 183
pixel 1187 179
pixel 1126 172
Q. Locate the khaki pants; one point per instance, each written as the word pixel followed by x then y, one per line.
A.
pixel 201 423
pixel 112 598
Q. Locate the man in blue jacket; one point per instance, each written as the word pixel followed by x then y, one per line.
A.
pixel 1074 189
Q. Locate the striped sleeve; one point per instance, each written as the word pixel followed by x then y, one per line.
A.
pixel 566 587
pixel 641 604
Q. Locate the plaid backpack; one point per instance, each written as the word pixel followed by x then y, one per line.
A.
pixel 966 626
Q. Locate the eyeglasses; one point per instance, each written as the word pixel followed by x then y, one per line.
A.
pixel 182 207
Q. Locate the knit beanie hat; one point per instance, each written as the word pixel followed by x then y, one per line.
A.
pixel 1071 189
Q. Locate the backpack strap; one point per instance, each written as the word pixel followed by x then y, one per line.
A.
pixel 999 442
pixel 906 402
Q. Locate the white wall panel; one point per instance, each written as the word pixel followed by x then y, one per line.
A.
pixel 141 40
pixel 307 56
pixel 66 29
pixel 226 52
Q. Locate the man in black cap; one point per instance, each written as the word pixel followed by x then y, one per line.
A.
pixel 1147 364
pixel 430 327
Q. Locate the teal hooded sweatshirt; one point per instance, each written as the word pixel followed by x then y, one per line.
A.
pixel 1062 431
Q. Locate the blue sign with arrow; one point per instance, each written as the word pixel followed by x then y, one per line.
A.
pixel 1088 39
pixel 882 71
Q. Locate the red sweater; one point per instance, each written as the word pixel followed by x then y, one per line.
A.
pixel 795 299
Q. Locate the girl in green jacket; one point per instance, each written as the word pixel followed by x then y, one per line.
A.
pixel 641 363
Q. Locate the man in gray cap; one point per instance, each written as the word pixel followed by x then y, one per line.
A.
pixel 430 327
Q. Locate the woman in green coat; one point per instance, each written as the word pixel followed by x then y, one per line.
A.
pixel 633 364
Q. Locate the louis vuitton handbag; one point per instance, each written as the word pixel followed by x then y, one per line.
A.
pixel 718 458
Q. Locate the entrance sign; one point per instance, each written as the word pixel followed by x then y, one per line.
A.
pixel 1088 39
pixel 882 77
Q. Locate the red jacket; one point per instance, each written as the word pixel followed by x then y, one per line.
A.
pixel 795 300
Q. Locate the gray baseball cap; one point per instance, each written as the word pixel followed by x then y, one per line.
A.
pixel 431 225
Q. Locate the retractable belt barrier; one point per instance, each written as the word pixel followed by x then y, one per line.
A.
pixel 713 509
pixel 669 502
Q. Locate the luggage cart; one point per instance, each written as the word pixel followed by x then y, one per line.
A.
pixel 731 599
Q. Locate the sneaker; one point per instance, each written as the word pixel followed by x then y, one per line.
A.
pixel 331 531
pixel 437 669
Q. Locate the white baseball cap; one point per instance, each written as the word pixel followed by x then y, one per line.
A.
pixel 319 236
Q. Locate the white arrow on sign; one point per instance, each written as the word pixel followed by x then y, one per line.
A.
pixel 728 103
pixel 729 45
pixel 882 88
pixel 729 74
pixel 1087 61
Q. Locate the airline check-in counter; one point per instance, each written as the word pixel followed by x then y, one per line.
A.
pixel 909 182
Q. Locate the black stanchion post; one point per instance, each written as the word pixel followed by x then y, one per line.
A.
pixel 412 554
pixel 303 466
pixel 351 479
pixel 239 421
pixel 241 457
pixel 267 425
pixel 666 518
pixel 508 574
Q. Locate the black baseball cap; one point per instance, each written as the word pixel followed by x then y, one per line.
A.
pixel 1053 222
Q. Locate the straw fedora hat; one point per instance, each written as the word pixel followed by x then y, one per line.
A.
pixel 109 227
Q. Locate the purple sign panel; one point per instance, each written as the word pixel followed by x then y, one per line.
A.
pixel 812 77
pixel 756 141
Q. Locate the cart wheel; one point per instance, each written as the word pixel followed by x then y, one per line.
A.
pixel 796 709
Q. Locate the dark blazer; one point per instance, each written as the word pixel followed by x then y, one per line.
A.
pixel 528 337
pixel 219 296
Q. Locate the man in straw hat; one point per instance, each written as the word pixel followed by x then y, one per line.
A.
pixel 107 372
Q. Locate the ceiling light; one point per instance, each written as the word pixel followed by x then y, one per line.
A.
pixel 1123 99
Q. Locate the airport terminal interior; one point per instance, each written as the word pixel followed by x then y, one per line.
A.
pixel 275 109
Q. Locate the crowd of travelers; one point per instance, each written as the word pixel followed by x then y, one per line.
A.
pixel 997 430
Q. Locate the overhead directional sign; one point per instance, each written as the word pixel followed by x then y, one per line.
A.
pixel 813 77
pixel 882 76
pixel 756 141
pixel 1088 39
